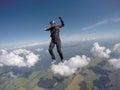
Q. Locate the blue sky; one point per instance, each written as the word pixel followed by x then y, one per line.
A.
pixel 23 21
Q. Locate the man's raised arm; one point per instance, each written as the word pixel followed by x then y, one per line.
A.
pixel 62 23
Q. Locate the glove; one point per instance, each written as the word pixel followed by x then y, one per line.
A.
pixel 60 18
pixel 45 29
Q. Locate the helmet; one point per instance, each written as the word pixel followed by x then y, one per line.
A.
pixel 52 22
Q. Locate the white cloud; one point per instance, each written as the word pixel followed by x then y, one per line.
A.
pixel 12 75
pixel 21 51
pixel 22 44
pixel 20 58
pixel 95 25
pixel 31 59
pixel 78 37
pixel 115 62
pixel 116 19
pixel 102 22
pixel 116 48
pixel 99 51
pixel 40 49
pixel 69 67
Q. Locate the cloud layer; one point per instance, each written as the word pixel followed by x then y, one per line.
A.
pixel 99 51
pixel 20 58
pixel 69 67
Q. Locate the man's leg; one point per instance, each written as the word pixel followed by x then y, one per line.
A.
pixel 58 44
pixel 51 46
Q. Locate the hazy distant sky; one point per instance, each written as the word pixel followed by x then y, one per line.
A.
pixel 23 21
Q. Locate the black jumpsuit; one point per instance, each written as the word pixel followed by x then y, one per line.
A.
pixel 55 40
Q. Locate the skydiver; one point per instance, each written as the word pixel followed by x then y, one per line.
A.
pixel 55 39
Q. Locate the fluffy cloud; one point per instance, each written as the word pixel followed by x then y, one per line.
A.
pixel 21 51
pixel 115 62
pixel 116 48
pixel 20 58
pixel 99 51
pixel 70 66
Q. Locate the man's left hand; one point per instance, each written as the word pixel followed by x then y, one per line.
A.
pixel 60 18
